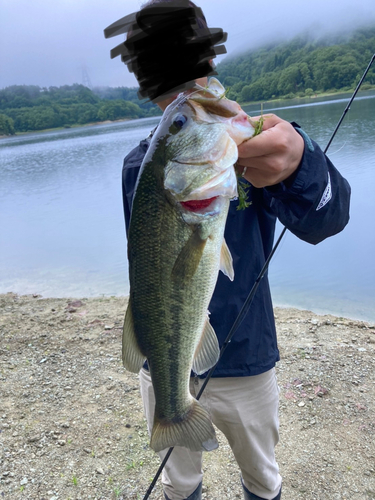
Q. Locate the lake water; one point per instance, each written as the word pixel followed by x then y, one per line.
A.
pixel 62 231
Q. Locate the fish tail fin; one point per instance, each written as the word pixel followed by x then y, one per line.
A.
pixel 193 430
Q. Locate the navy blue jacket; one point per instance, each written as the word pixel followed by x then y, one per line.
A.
pixel 313 205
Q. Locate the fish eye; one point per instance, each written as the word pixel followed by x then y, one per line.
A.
pixel 178 122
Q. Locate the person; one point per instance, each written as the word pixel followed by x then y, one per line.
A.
pixel 289 178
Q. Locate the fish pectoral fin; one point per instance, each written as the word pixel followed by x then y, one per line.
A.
pixel 132 357
pixel 226 261
pixel 188 259
pixel 207 351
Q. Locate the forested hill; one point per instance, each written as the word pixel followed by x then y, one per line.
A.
pixel 301 67
pixel 29 107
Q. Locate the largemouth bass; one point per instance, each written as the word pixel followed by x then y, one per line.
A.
pixel 176 248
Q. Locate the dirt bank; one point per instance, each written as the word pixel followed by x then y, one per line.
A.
pixel 71 421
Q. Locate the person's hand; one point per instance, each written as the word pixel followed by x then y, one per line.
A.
pixel 273 155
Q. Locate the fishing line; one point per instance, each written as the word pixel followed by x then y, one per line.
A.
pixel 246 306
pixel 338 150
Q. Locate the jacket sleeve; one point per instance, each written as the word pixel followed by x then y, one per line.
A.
pixel 130 170
pixel 315 204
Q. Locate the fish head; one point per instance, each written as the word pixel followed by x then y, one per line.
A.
pixel 200 132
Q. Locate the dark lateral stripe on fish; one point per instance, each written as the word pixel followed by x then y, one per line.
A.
pixel 194 205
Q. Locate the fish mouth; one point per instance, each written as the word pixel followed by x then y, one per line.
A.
pixel 195 196
pixel 224 183
pixel 198 205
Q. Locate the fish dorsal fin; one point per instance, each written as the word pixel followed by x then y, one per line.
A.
pixel 207 351
pixel 226 261
pixel 132 357
pixel 188 259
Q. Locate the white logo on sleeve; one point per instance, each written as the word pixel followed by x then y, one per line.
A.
pixel 327 195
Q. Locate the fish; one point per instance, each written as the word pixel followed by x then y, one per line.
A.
pixel 176 248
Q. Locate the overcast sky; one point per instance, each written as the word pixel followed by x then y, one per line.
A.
pixel 49 42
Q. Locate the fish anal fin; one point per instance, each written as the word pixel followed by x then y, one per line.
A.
pixel 194 430
pixel 226 261
pixel 207 351
pixel 132 357
pixel 189 257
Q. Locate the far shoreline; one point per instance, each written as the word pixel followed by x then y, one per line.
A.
pixel 242 104
pixel 339 94
pixel 75 126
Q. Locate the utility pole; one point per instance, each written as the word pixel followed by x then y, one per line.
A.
pixel 85 77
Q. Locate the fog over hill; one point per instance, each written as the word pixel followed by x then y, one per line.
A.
pixel 301 67
pixel 61 42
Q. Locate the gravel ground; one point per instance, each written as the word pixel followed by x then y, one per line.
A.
pixel 72 426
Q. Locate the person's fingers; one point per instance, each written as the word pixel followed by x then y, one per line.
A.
pixel 269 120
pixel 276 138
pixel 268 142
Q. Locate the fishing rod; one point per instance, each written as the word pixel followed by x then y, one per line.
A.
pixel 247 304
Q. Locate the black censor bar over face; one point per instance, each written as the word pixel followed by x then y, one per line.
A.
pixel 168 47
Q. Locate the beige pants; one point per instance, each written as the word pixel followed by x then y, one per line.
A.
pixel 245 409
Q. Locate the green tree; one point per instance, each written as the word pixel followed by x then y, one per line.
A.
pixel 303 63
pixel 6 125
